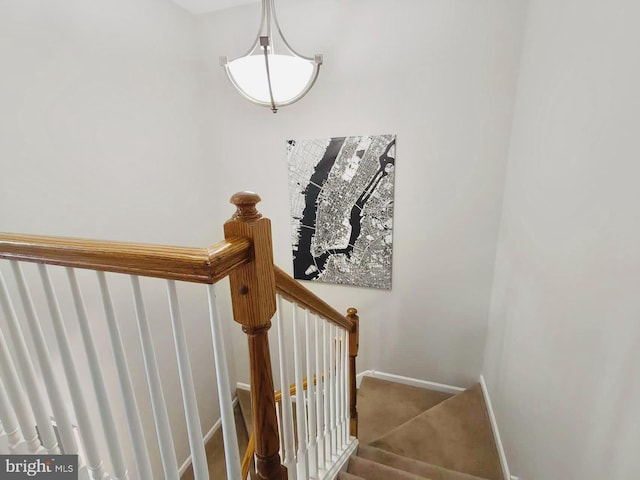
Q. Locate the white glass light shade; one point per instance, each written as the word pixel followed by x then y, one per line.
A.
pixel 290 77
pixel 271 73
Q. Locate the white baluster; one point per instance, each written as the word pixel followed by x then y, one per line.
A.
pixel 134 424
pixel 326 335
pixel 9 421
pixel 18 399
pixel 230 437
pixel 301 416
pixel 343 399
pixel 158 405
pixel 339 392
pixel 58 404
pixel 279 421
pixel 332 388
pixel 289 460
pixel 4 442
pixel 94 462
pixel 104 407
pixel 31 383
pixel 311 400
pixel 194 430
pixel 347 404
pixel 338 389
pixel 319 395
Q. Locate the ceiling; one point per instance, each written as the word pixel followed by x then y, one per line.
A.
pixel 204 6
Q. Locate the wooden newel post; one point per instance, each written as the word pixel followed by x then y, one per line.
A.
pixel 352 315
pixel 253 295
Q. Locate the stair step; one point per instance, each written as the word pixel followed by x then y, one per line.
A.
pixel 417 434
pixel 386 405
pixel 348 476
pixel 215 450
pixel 455 434
pixel 368 470
pixel 409 465
pixel 244 402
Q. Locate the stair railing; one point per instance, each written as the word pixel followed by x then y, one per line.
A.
pixel 245 256
pixel 320 337
pixel 323 434
pixel 22 410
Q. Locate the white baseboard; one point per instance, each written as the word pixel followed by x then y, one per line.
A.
pixel 496 432
pixel 392 377
pixel 247 387
pixel 243 386
pixel 207 437
pixel 414 382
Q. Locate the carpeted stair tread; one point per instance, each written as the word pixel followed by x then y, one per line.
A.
pixel 244 399
pixel 244 402
pixel 348 476
pixel 387 405
pixel 422 469
pixel 368 470
pixel 455 434
pixel 215 450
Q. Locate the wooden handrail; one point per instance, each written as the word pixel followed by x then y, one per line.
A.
pixel 295 292
pixel 200 265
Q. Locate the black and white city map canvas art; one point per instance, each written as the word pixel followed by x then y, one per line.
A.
pixel 341 193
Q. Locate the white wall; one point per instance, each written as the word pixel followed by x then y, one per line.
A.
pixel 101 137
pixel 111 127
pixel 439 74
pixel 562 355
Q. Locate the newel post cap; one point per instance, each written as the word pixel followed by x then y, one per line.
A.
pixel 245 203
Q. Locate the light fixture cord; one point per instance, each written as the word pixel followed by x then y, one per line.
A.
pixel 264 43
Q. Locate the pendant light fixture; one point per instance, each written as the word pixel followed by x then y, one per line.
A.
pixel 272 74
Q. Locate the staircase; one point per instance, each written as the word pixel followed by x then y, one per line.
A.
pixel 410 433
pixel 403 432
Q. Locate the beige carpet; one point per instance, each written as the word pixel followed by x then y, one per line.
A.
pixel 455 434
pixel 405 433
pixel 215 450
pixel 244 401
pixel 421 469
pixel 383 405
